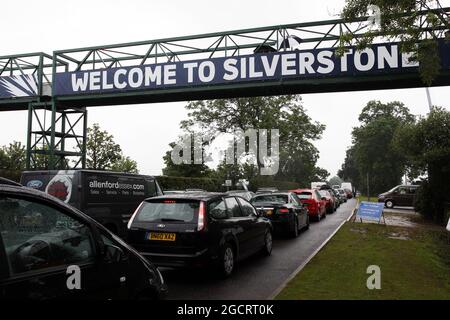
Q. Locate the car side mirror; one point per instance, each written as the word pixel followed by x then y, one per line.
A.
pixel 113 254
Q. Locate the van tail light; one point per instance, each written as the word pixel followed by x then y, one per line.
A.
pixel 201 217
pixel 134 215
pixel 283 210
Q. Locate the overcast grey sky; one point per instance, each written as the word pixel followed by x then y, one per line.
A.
pixel 144 131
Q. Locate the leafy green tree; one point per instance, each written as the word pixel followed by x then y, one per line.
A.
pixel 426 146
pixel 401 22
pixel 373 153
pixel 184 169
pixel 298 155
pixel 349 171
pixel 335 181
pixel 125 164
pixel 12 157
pixel 102 151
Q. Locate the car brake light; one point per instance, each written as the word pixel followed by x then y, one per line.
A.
pixel 169 201
pixel 201 217
pixel 283 210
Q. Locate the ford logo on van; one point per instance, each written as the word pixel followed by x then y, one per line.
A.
pixel 35 184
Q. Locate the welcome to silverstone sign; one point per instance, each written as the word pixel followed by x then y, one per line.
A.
pixel 280 66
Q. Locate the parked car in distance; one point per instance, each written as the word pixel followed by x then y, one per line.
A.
pixel 329 199
pixel 343 194
pixel 247 195
pixel 312 199
pixel 44 242
pixel 402 195
pixel 108 197
pixel 339 199
pixel 266 190
pixel 285 210
pixel 349 193
pixel 348 186
pixel 199 229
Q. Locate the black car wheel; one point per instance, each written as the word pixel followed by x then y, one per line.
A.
pixel 389 204
pixel 268 243
pixel 226 261
pixel 307 222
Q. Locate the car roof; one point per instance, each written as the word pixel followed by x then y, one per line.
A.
pixel 100 172
pixel 238 191
pixel 25 191
pixel 205 196
pixel 302 190
pixel 274 194
pixel 9 182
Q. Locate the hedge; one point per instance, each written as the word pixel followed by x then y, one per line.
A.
pixel 182 183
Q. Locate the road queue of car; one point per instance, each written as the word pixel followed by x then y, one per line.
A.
pixel 180 229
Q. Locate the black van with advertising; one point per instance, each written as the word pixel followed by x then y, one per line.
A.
pixel 108 197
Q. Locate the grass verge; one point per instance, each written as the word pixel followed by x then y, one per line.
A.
pixel 414 262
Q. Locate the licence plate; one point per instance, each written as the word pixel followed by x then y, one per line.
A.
pixel 161 236
pixel 269 212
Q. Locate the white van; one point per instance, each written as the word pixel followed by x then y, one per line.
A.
pixel 317 185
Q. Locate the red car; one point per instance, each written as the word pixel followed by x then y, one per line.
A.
pixel 330 200
pixel 313 201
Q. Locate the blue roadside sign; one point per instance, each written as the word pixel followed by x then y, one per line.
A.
pixel 370 210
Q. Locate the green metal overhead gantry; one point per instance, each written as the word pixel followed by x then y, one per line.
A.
pixel 56 137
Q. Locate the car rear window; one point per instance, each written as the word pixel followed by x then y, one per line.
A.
pixel 184 211
pixel 278 198
pixel 305 195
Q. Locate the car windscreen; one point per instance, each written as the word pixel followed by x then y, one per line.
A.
pixel 277 198
pixel 184 211
pixel 304 195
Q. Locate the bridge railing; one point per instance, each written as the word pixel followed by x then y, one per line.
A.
pixel 308 35
pixel 25 78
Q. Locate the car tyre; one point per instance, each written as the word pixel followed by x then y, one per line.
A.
pixel 389 204
pixel 226 261
pixel 307 222
pixel 294 228
pixel 318 216
pixel 268 243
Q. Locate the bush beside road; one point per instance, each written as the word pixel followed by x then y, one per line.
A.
pixel 414 262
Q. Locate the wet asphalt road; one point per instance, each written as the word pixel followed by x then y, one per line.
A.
pixel 257 277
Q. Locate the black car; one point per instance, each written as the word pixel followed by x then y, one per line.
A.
pixel 285 210
pixel 247 195
pixel 50 250
pixel 199 229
